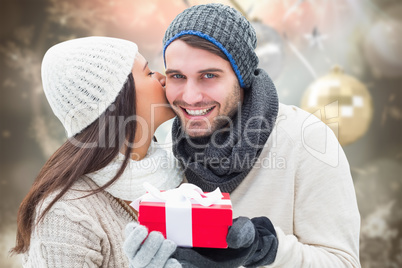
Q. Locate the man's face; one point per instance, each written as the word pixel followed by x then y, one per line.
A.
pixel 201 87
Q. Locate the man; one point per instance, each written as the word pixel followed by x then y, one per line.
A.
pixel 231 132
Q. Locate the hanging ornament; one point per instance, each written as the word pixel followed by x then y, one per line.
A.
pixel 383 44
pixel 315 38
pixel 342 102
pixel 270 49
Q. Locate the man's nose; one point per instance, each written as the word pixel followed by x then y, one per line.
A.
pixel 192 93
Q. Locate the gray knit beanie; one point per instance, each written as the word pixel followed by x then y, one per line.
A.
pixel 82 77
pixel 225 27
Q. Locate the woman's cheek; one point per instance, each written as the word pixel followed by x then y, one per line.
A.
pixel 171 94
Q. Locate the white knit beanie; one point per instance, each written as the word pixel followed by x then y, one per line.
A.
pixel 82 78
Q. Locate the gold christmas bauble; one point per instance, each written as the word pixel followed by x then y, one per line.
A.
pixel 342 102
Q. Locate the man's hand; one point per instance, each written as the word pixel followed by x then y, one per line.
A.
pixel 251 243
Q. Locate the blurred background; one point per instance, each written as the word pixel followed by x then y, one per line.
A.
pixel 338 59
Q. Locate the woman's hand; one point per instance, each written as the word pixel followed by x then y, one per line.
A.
pixel 148 250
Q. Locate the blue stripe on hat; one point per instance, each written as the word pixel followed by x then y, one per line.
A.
pixel 212 40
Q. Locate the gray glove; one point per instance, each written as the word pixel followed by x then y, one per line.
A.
pixel 241 234
pixel 152 252
pixel 251 243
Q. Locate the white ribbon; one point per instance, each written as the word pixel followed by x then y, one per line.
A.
pixel 178 208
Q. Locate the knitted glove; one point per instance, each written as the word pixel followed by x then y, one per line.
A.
pixel 152 252
pixel 266 241
pixel 251 243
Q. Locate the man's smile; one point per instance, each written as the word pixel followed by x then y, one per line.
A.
pixel 191 113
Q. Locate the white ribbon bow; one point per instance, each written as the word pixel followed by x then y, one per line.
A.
pixel 185 191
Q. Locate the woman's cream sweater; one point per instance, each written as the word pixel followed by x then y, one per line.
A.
pixel 87 232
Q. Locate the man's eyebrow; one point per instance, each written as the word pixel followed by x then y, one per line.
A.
pixel 211 70
pixel 145 66
pixel 170 71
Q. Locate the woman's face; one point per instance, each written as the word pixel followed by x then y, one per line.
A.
pixel 152 106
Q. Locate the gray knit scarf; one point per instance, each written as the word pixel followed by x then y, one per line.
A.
pixel 226 157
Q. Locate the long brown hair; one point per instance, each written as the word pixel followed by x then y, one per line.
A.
pixel 70 161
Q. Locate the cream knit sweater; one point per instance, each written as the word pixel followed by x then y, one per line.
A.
pixel 302 183
pixel 86 232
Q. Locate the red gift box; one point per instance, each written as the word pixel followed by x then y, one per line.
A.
pixel 191 225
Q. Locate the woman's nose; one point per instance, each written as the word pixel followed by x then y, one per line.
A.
pixel 161 78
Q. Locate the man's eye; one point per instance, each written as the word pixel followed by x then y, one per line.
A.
pixel 177 76
pixel 209 76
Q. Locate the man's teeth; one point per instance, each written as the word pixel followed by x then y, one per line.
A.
pixel 198 112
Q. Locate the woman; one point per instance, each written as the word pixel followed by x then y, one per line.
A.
pixel 110 104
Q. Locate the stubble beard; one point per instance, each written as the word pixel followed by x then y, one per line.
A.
pixel 205 128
